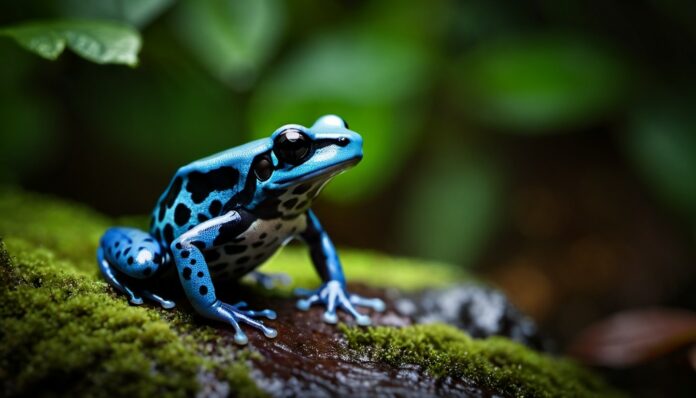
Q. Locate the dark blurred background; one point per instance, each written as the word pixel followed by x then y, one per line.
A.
pixel 548 146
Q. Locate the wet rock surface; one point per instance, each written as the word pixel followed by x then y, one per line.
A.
pixel 311 358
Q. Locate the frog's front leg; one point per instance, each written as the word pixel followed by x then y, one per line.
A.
pixel 188 252
pixel 332 292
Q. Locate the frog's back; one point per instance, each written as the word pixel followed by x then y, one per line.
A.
pixel 204 189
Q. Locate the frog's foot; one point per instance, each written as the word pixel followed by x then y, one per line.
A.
pixel 333 295
pixel 234 315
pixel 269 281
pixel 136 298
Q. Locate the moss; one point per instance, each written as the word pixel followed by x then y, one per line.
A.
pixel 503 366
pixel 64 331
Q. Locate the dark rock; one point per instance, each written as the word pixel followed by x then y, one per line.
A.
pixel 480 311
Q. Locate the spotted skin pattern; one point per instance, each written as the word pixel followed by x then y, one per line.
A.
pixel 223 216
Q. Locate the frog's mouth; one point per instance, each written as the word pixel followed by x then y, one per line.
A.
pixel 327 172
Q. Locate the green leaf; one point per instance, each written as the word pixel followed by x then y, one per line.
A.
pixel 457 194
pixel 662 144
pixel 366 79
pixel 540 84
pixel 137 13
pixel 98 41
pixel 232 39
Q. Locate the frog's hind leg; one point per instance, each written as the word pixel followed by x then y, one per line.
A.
pixel 125 253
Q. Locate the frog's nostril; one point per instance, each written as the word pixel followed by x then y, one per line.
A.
pixel 342 141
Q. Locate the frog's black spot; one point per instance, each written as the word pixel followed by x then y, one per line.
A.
pixel 234 249
pixel 200 274
pixel 172 192
pixel 218 267
pixel 182 214
pixel 193 261
pixel 168 233
pixel 118 254
pixel 186 273
pixel 147 271
pixel 202 184
pixel 178 245
pixel 157 259
pixel 302 188
pixel 259 256
pixel 162 210
pixel 214 208
pixel 141 248
pixel 211 255
pixel 263 235
pixel 246 194
pixel 117 243
pixel 229 232
pixel 278 226
pixel 289 204
pixel 185 253
pixel 272 242
pixel 203 290
pixel 149 240
pixel 268 209
pixel 199 244
pixel 202 218
pixel 293 230
pixel 257 244
pixel 130 260
pixel 108 251
pixel 302 205
pixel 242 260
pixel 126 251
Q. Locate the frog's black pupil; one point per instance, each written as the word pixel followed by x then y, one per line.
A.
pixel 263 169
pixel 292 146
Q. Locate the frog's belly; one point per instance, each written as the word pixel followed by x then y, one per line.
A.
pixel 253 247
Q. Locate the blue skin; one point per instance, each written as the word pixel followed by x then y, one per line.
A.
pixel 222 216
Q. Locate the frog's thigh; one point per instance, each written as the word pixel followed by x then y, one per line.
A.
pixel 131 251
pixel 188 252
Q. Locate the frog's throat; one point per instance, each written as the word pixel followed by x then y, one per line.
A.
pixel 327 172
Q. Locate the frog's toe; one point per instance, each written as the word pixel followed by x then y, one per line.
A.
pixel 135 300
pixel 246 317
pixel 330 317
pixel 374 303
pixel 269 314
pixel 166 304
pixel 304 304
pixel 240 338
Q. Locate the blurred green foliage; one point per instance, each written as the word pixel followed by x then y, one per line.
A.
pixel 434 87
pixel 98 41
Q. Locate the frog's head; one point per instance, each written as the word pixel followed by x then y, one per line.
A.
pixel 303 160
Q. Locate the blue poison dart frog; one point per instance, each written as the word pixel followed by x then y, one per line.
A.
pixel 222 216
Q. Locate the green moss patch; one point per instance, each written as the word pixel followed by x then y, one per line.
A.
pixel 496 363
pixel 63 331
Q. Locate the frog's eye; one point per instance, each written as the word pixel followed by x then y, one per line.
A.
pixel 263 168
pixel 292 146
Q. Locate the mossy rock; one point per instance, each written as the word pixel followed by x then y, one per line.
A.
pixel 63 331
